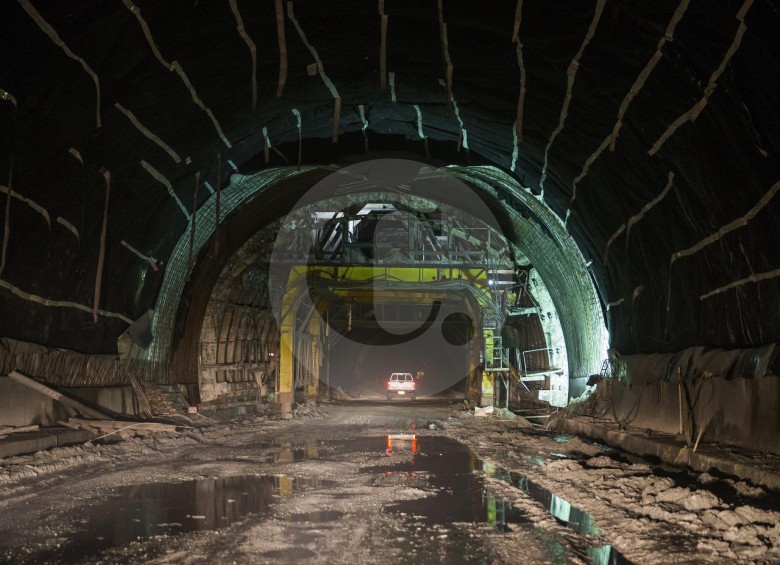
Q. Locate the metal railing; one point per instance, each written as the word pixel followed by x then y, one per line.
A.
pixel 531 371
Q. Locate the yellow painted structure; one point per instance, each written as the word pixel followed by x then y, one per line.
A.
pixel 488 382
pixel 373 284
pixel 286 343
pixel 316 358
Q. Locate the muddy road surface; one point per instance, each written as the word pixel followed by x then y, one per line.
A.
pixel 400 482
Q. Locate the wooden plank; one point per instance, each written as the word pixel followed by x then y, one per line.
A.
pixel 122 428
pixel 7 430
pixel 78 426
pixel 58 396
pixel 143 401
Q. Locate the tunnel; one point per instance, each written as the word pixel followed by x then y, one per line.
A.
pixel 560 211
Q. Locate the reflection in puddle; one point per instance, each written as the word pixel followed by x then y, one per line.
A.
pixel 445 466
pixel 403 442
pixel 142 511
pixel 500 513
pixel 321 516
pixel 571 516
pixel 461 496
pixel 289 454
pixel 290 555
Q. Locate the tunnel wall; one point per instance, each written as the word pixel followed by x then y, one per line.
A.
pixel 196 287
pixel 540 234
pixel 64 368
pixel 526 221
pixel 22 406
pixel 59 148
pixel 732 395
pixel 234 346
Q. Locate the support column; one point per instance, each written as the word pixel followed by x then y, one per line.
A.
pixel 488 386
pixel 313 389
pixel 473 390
pixel 287 334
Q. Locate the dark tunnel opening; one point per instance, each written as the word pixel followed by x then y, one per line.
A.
pixel 225 227
pixel 362 357
pixel 373 236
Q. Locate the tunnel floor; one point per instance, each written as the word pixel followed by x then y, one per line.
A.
pixel 372 483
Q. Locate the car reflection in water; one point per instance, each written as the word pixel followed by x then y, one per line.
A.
pixel 403 442
pixel 399 444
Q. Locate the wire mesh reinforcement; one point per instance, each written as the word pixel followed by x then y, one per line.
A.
pixel 240 190
pixel 71 369
pixel 555 255
pixel 542 237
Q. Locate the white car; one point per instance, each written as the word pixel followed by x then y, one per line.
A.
pixel 401 384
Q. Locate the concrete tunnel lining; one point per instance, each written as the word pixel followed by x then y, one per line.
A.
pixel 642 142
pixel 709 192
pixel 525 219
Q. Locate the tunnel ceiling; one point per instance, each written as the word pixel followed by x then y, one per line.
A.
pixel 650 129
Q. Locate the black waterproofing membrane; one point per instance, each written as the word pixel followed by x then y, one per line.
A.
pixel 677 211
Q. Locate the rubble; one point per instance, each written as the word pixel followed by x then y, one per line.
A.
pixel 649 513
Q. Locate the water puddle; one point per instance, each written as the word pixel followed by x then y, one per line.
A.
pixel 289 455
pixel 321 516
pixel 280 453
pixel 160 509
pixel 290 555
pixel 571 516
pixel 462 497
pixel 445 467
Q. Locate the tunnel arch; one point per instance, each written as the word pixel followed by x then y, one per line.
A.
pixel 180 305
pixel 254 201
pixel 615 114
pixel 565 270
